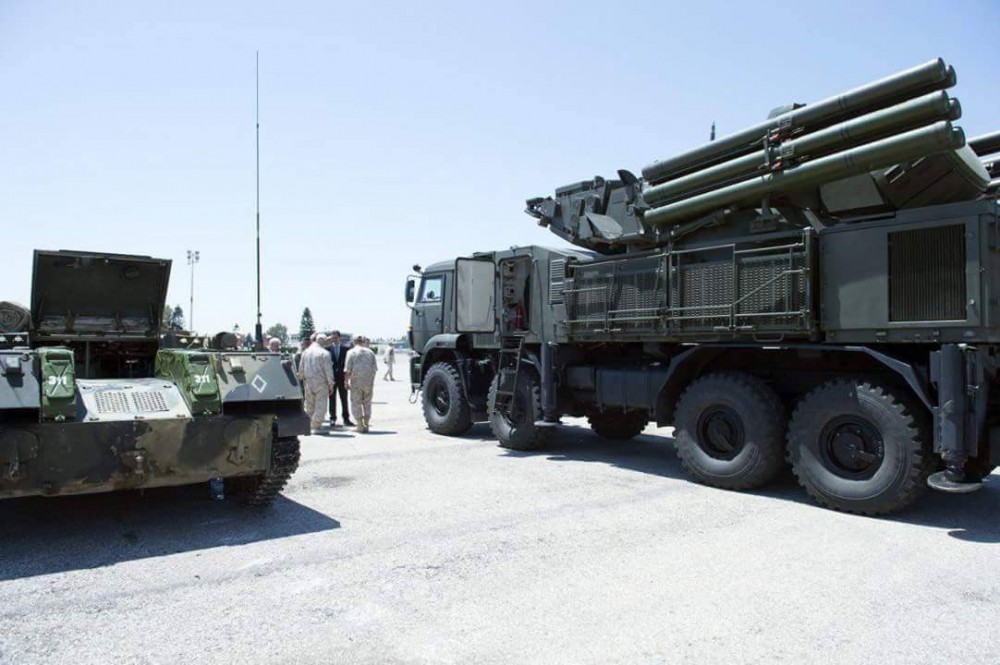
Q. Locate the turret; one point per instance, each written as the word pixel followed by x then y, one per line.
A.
pixel 885 146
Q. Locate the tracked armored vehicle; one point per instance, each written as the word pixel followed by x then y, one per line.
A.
pixel 821 288
pixel 93 399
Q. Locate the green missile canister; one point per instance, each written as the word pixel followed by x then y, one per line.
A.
pixel 930 76
pixel 987 144
pixel 895 119
pixel 879 154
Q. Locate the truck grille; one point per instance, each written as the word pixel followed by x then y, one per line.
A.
pixel 927 274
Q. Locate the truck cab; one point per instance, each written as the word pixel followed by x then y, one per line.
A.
pixel 429 297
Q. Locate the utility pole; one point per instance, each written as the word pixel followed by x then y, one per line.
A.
pixel 260 330
pixel 193 257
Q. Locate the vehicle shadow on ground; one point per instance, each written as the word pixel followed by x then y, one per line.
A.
pixel 480 432
pixel 971 517
pixel 39 536
pixel 335 434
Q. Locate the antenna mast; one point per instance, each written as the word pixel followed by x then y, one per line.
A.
pixel 259 330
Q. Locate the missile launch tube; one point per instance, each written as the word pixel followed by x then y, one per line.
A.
pixel 895 119
pixel 987 144
pixel 921 142
pixel 930 76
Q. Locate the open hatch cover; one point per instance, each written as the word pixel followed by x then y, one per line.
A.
pixel 86 294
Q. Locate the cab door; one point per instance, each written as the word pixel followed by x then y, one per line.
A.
pixel 428 308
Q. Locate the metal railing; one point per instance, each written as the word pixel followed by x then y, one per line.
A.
pixel 781 303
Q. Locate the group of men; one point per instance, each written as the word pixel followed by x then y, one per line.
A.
pixel 329 369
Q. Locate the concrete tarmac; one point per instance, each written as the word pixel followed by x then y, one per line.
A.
pixel 400 546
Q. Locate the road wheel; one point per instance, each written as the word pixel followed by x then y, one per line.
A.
pixel 618 425
pixel 445 409
pixel 516 430
pixel 729 431
pixel 860 447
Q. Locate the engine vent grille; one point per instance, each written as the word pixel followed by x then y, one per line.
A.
pixel 119 401
pixel 927 274
pixel 150 402
pixel 112 401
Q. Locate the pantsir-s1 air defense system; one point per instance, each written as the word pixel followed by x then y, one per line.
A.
pixel 92 399
pixel 820 289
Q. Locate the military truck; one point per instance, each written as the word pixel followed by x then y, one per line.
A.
pixel 93 399
pixel 820 289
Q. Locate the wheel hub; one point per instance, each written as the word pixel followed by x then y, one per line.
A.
pixel 852 447
pixel 720 433
pixel 440 400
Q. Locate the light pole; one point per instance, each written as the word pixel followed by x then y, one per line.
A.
pixel 193 257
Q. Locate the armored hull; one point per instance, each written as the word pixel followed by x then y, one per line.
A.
pixel 69 425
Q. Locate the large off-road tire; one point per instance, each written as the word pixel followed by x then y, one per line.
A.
pixel 618 425
pixel 518 431
pixel 860 447
pixel 446 410
pixel 261 489
pixel 729 431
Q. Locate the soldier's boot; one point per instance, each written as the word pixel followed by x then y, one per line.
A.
pixel 360 426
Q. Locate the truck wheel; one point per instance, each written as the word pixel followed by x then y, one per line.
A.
pixel 445 409
pixel 860 447
pixel 517 430
pixel 618 425
pixel 729 431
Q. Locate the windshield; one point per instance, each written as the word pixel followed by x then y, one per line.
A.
pixel 431 288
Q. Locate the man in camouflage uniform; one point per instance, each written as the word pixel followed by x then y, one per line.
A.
pixel 390 360
pixel 360 369
pixel 316 374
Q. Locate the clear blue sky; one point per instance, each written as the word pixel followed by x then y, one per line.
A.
pixel 396 132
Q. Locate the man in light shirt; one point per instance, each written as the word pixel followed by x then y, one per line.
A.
pixel 360 370
pixel 316 374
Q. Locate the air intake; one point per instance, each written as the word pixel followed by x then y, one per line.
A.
pixel 927 274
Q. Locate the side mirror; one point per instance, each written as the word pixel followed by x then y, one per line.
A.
pixel 411 286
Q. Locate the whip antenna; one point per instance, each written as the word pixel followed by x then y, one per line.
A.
pixel 259 330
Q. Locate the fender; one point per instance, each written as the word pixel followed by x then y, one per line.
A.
pixel 443 341
pixel 683 367
pixel 292 424
pixel 445 344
